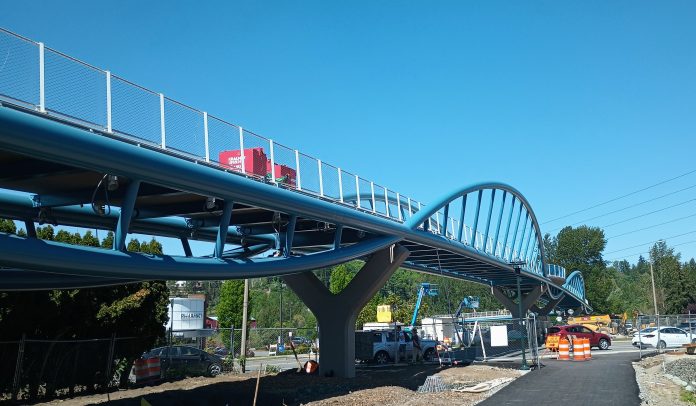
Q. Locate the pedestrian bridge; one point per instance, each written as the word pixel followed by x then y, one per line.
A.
pixel 80 146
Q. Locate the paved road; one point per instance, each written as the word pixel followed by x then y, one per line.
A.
pixel 602 381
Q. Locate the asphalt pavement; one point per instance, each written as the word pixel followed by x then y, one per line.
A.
pixel 604 380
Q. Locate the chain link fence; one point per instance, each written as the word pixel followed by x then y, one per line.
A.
pixel 663 333
pixel 43 369
pixel 485 340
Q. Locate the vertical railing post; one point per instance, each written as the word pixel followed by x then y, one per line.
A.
pixel 386 201
pixel 110 362
pixel 357 189
pixel 18 368
pixel 164 134
pixel 232 345
pixel 372 188
pixel 42 82
pixel 108 102
pixel 321 179
pixel 241 149
pixel 273 172
pixel 340 185
pixel 410 211
pixel 205 135
pixel 419 209
pixel 398 206
pixel 297 169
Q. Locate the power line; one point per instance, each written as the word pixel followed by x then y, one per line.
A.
pixel 647 252
pixel 627 207
pixel 653 226
pixel 649 242
pixel 649 213
pixel 620 197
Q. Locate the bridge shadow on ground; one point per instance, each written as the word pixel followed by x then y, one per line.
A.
pixel 287 388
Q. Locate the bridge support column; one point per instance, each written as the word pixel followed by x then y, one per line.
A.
pixel 528 301
pixel 336 313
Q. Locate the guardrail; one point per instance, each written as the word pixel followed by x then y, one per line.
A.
pixel 36 77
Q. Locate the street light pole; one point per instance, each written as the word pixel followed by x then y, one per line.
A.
pixel 518 272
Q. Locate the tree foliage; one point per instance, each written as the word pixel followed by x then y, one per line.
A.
pixel 132 310
pixel 622 287
pixel 229 309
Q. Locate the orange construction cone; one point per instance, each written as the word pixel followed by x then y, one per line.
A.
pixel 588 350
pixel 563 349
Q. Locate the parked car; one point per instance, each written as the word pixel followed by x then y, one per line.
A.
pixel 380 346
pixel 188 359
pixel 668 337
pixel 635 341
pixel 599 340
pixel 297 340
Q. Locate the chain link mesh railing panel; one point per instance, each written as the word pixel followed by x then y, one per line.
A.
pixel 184 129
pixel 135 111
pixel 75 90
pixel 285 166
pixel 19 69
pixel 365 194
pixel 349 188
pixel 258 162
pixel 380 201
pixel 309 172
pixel 329 176
pixel 223 141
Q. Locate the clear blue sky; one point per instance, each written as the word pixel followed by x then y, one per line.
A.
pixel 573 103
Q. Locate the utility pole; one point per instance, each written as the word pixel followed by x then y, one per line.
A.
pixel 657 313
pixel 652 279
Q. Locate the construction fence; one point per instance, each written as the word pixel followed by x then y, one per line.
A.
pixel 35 369
pixel 663 333
pixel 502 340
pixel 40 369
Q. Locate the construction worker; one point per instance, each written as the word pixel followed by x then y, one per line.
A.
pixel 416 347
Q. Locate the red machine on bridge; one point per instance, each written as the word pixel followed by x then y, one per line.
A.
pixel 256 163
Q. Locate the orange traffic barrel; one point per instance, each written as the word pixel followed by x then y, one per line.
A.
pixel 580 349
pixel 563 349
pixel 141 370
pixel 153 367
pixel 588 351
pixel 578 353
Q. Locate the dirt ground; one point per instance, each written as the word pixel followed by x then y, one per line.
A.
pixel 391 385
pixel 655 389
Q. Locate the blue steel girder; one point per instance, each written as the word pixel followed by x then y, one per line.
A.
pixel 485 263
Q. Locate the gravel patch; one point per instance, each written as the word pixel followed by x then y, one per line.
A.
pixel 684 369
pixel 658 387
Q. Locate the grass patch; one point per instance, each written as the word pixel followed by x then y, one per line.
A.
pixel 688 397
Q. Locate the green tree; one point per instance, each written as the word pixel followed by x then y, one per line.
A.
pixel 229 309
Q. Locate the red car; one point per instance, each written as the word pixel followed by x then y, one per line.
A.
pixel 599 340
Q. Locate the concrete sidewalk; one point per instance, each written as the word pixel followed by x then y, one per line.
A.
pixel 600 381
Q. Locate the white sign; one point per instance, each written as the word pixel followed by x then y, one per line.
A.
pixel 185 313
pixel 499 336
